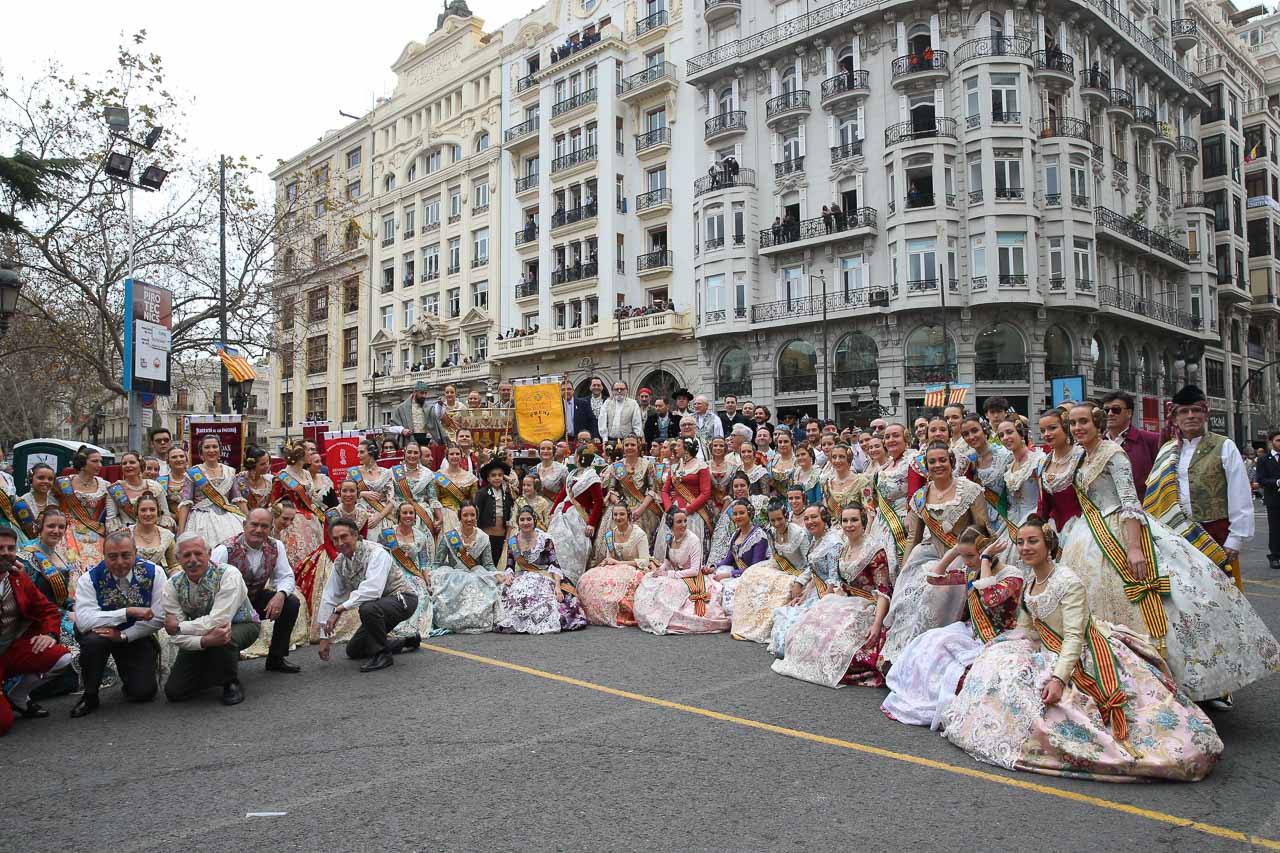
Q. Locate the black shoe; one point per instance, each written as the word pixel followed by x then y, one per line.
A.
pixel 411 643
pixel 381 660
pixel 232 693
pixel 86 706
pixel 283 665
pixel 1275 564
pixel 31 712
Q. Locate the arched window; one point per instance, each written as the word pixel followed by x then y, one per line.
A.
pixel 996 21
pixel 1101 362
pixel 482 141
pixel 1000 355
pixel 790 80
pixel 920 41
pixel 663 385
pixel 1057 353
pixel 1128 376
pixel 797 368
pixel 734 374
pixel 412 174
pixel 924 358
pixel 857 361
pixel 289 257
pixel 388 183
pixel 726 101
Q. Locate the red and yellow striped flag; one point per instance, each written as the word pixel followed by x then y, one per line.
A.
pixel 238 367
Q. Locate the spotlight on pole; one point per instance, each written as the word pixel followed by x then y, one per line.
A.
pixel 119 166
pixel 153 136
pixel 117 119
pixel 152 178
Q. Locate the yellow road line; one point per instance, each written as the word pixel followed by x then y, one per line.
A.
pixel 1022 784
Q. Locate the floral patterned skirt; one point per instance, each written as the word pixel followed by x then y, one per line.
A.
pixel 1216 643
pixel 998 718
pixel 761 588
pixel 663 607
pixel 303 535
pixel 529 606
pixel 465 602
pixel 918 605
pixel 828 644
pixel 928 672
pixel 608 595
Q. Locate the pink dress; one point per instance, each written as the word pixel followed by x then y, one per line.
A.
pixel 680 598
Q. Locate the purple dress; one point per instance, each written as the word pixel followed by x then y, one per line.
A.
pixel 745 550
pixel 529 603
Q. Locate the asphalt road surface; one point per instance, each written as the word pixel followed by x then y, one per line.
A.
pixel 598 739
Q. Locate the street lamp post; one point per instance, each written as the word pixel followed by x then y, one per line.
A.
pixel 10 288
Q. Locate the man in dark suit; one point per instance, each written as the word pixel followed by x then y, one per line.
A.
pixel 578 416
pixel 731 416
pixel 661 424
pixel 1139 445
pixel 1267 475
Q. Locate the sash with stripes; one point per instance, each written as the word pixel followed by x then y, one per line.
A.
pixel 994 500
pixel 72 506
pixel 1144 593
pixel 51 573
pixel 513 548
pixel 623 479
pixel 738 548
pixel 783 563
pixel 356 477
pixel 689 497
pixel 1104 688
pixel 935 526
pixel 979 618
pixel 250 496
pixel 609 544
pixel 891 518
pixel 22 514
pixel 454 540
pixel 451 491
pixel 858 592
pixel 9 512
pixel 215 497
pixel 121 498
pixel 401 479
pixel 392 544
pixel 698 593
pixel 297 491
pixel 1162 501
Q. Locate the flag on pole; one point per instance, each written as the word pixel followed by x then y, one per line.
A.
pixel 936 396
pixel 238 367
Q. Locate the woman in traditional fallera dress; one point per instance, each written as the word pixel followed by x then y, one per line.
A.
pixel 806 475
pixel 211 503
pixel 1207 630
pixel 40 497
pixel 889 491
pixel 415 484
pixel 632 482
pixel 938 512
pixel 255 481
pixel 1067 694
pixel 536 596
pixel 688 487
pixel 455 486
pixel 550 473
pixel 295 486
pixel 1021 475
pixel 576 515
pixel 608 591
pixel 837 640
pixel 739 490
pixel 931 668
pixel 46 562
pixel 987 465
pixel 1056 473
pixel 313 574
pixel 747 546
pixel 766 586
pixel 783 461
pixel 83 499
pixel 808 586
pixel 720 471
pixel 175 483
pixel 464 590
pixel 678 595
pixel 530 496
pixel 412 550
pixel 154 543
pixel 918 473
pixel 376 485
pixel 842 486
pixel 125 492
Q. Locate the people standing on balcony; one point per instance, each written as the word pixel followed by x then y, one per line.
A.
pixel 530 228
pixel 1139 445
pixel 837 216
pixel 828 221
pixel 777 229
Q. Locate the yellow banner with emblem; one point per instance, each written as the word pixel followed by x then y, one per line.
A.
pixel 539 412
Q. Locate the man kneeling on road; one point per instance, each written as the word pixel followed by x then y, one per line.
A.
pixel 118 613
pixel 263 564
pixel 363 578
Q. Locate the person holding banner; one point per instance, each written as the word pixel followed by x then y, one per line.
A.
pixel 1141 574
pixel 415 485
pixel 122 508
pixel 411 550
pixel 212 506
pixel 375 484
pixel 83 499
pixel 455 486
pixel 464 589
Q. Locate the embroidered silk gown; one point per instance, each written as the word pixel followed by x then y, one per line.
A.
pixel 255 497
pixel 1214 641
pixel 84 540
pixel 1022 486
pixel 579 506
pixel 690 490
pixel 725 529
pixel 463 589
pixel 998 717
pixel 551 480
pixel 306 532
pixel 381 483
pixel 744 551
pixel 766 585
pixel 453 488
pixel 205 517
pixel 890 482
pixel 164 555
pixel 1058 502
pixel 632 487
pixel 530 604
pixel 420 483
pixel 829 645
pixel 413 560
pixel 121 504
pixel 313 575
pixel 819 568
pixel 679 598
pixel 608 592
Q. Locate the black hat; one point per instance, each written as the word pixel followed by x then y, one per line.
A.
pixel 1189 395
pixel 682 392
pixel 494 465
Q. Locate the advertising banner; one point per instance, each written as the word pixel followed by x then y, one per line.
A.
pixel 148 322
pixel 229 430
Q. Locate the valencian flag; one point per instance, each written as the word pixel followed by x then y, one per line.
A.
pixel 936 396
pixel 238 367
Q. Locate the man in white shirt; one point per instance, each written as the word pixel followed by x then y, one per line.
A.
pixel 365 579
pixel 117 613
pixel 264 565
pixel 706 421
pixel 620 415
pixel 208 617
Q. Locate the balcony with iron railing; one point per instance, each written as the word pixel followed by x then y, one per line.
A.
pixel 1144 119
pixel 654 199
pixel 526 289
pixel 582 213
pixel 724 125
pixel 862 378
pixel 1095 84
pixel 1001 371
pixel 580 271
pixel 1185 33
pixel 1114 222
pixel 1132 303
pixel 1062 126
pixel 848 299
pixel 1121 103
pixel 846 86
pixel 651 25
pixel 527 183
pixel 718 10
pixel 520 131
pixel 656 261
pixel 928 374
pixel 654 139
pixel 930 285
pixel 918 130
pixel 992 47
pixel 788 167
pixel 1187 148
pixel 663 73
pixel 847 151
pixel 819 229
pixel 1054 66
pixel 1192 199
pixel 722 179
pixel 527 83
pixel 788 105
pixel 574 159
pixel 928 64
pixel 568 105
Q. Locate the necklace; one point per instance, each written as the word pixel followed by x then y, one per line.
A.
pixel 1053 567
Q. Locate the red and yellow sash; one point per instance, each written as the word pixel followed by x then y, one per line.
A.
pixel 979 618
pixel 627 483
pixel 891 519
pixel 405 488
pixel 1146 592
pixel 935 527
pixel 392 544
pixel 72 506
pixel 215 497
pixel 689 497
pixel 52 574
pixel 355 476
pixel 456 547
pixel 513 548
pixel 455 495
pixel 122 501
pixel 1103 689
pixel 698 593
pixel 297 491
pixel 9 512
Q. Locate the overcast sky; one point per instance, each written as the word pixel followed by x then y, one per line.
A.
pixel 263 78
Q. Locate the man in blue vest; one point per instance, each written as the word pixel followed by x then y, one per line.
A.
pixel 118 613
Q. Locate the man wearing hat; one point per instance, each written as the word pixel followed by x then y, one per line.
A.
pixel 644 399
pixel 683 398
pixel 419 418
pixel 1213 486
pixel 494 501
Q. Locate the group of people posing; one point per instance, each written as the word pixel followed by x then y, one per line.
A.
pixel 1071 606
